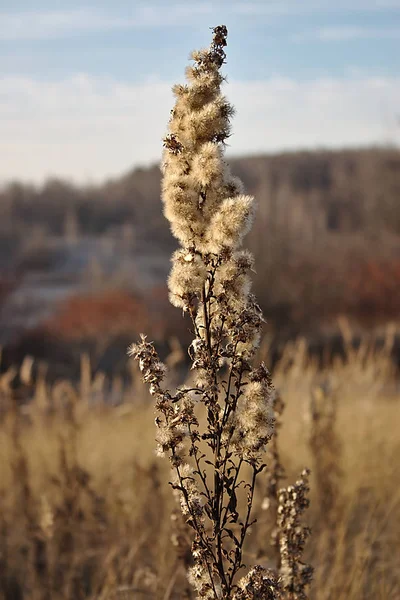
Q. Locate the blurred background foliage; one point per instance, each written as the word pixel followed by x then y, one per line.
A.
pixel 84 268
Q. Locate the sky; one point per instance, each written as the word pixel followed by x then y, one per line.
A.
pixel 85 87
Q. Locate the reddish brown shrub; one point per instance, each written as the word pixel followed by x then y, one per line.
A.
pixel 373 290
pixel 107 314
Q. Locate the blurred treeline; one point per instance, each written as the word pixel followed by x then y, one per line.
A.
pixel 89 263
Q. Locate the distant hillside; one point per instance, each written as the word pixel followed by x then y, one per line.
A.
pixel 326 240
pixel 344 191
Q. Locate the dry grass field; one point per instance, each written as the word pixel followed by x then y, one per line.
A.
pixel 86 511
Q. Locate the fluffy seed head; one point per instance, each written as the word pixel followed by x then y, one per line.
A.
pixel 230 223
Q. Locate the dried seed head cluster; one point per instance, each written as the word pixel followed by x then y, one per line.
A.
pixel 205 204
pixel 200 578
pixel 259 584
pixel 276 471
pixel 210 281
pixel 191 499
pixel 255 417
pixel 295 574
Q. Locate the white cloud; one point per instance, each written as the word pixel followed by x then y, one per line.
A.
pixel 88 129
pixel 347 32
pixel 50 25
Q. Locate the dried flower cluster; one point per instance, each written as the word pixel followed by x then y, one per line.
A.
pixel 259 584
pixel 295 574
pixel 275 473
pixel 209 281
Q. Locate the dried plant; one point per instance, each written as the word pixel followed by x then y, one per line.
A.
pixel 273 475
pixel 295 574
pixel 182 542
pixel 215 467
pixel 326 449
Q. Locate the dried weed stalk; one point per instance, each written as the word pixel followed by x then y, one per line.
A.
pixel 326 450
pixel 274 474
pixel 295 574
pixel 214 468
